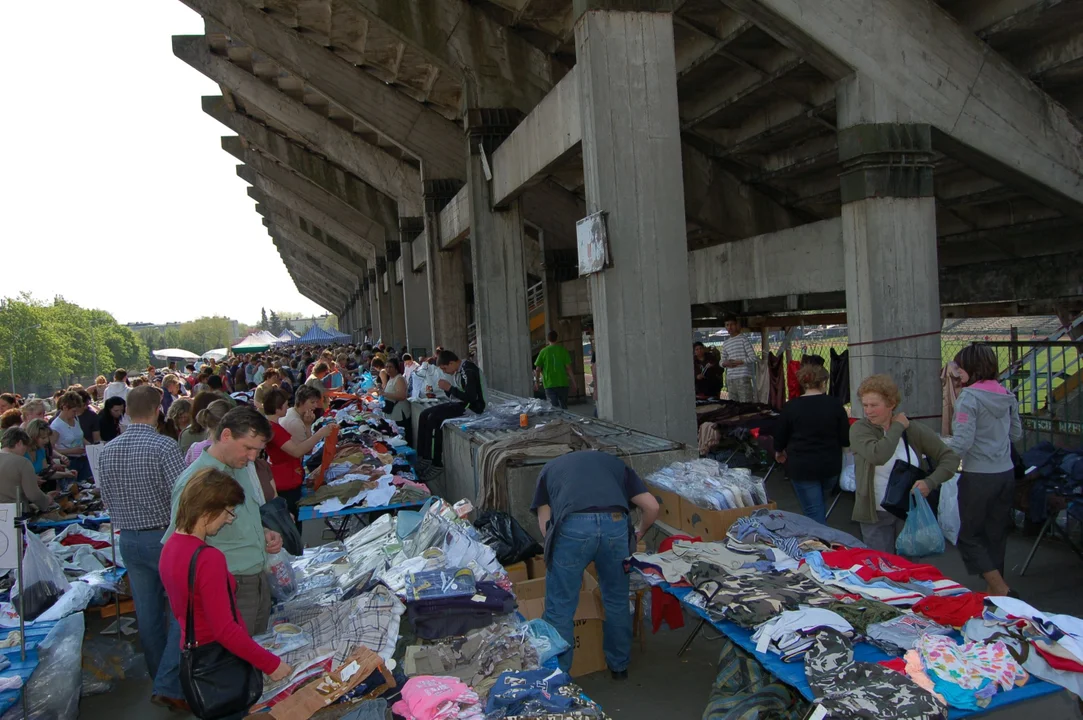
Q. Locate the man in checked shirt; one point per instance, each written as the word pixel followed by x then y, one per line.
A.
pixel 138 469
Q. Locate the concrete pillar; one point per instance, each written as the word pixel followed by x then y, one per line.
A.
pixel 398 305
pixel 374 305
pixel 499 267
pixel 632 168
pixel 444 272
pixel 383 294
pixel 415 289
pixel 889 246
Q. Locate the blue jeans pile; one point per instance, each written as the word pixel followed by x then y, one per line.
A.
pixel 582 538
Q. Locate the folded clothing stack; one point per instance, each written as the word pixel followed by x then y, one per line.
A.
pixel 792 633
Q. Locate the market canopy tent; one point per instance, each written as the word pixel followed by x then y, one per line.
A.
pixel 216 354
pixel 254 342
pixel 317 335
pixel 288 336
pixel 174 354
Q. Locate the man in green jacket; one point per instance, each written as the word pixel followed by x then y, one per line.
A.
pixel 554 369
pixel 877 443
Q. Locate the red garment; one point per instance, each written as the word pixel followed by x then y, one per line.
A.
pixel 77 539
pixel 897 664
pixel 953 611
pixel 792 386
pixel 214 585
pixel 285 468
pixel 665 607
pixel 875 564
pixel 1056 661
pixel 667 544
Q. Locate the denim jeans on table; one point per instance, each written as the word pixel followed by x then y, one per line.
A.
pixel 557 397
pixel 582 538
pixel 813 496
pixel 159 632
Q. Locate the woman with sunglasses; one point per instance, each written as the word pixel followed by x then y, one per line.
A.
pixel 206 506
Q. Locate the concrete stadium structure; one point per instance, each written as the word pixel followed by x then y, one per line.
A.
pixel 420 164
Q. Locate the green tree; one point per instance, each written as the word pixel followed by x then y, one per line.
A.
pixel 276 323
pixel 330 322
pixel 263 324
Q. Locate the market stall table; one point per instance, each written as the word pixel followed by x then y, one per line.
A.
pixel 35 634
pixel 308 512
pixel 793 673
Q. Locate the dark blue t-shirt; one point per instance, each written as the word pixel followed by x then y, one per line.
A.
pixel 586 481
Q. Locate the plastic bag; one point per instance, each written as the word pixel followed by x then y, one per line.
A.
pixel 848 479
pixel 74 600
pixel 948 510
pixel 506 537
pixel 43 579
pixel 280 576
pixel 545 639
pixel 107 660
pixel 54 689
pixel 921 535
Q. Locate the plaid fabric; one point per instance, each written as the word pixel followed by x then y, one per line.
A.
pixel 138 469
pixel 371 620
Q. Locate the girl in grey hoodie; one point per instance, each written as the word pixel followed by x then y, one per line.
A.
pixel 985 424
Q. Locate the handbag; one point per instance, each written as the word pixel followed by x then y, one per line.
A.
pixel 275 515
pixel 901 481
pixel 216 683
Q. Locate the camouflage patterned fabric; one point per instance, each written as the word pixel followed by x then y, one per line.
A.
pixel 745 690
pixel 849 689
pixel 751 600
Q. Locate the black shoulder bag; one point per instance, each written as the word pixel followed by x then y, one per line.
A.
pixel 216 682
pixel 901 482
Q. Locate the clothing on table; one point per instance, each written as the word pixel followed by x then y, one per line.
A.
pixel 196 450
pixel 159 631
pixel 430 435
pixel 428 697
pixel 985 424
pixel 953 611
pixel 790 634
pixel 529 693
pixel 984 630
pixel 18 472
pixel 849 689
pixel 874 564
pixel 577 540
pixel 77 539
pixel 478 658
pixel 781 524
pixel 862 613
pixel 242 541
pixel 845 581
pixel 903 632
pixel 751 600
pixel 138 471
pixel 371 619
pixel 213 603
pixel 744 690
pixel 985 507
pixel 438 618
pixel 970 674
pixel 840 376
pixel 287 470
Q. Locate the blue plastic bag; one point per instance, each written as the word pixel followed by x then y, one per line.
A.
pixel 921 535
pixel 545 639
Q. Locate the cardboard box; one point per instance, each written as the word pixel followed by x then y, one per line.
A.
pixel 669 505
pixel 589 657
pixel 713 525
pixel 517 572
pixel 535 567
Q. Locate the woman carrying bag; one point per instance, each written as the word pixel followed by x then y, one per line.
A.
pixel 221 666
pixel 879 448
pixel 985 424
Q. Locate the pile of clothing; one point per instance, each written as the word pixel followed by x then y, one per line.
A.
pixel 711 484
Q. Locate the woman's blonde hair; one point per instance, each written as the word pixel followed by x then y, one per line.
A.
pixel 883 386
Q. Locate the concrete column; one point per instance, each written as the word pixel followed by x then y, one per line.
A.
pixel 383 293
pixel 444 272
pixel 415 289
pixel 632 167
pixel 398 306
pixel 889 246
pixel 374 305
pixel 499 267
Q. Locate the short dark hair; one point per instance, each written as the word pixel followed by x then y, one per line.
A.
pixel 143 400
pixel 120 375
pixel 9 399
pixel 697 344
pixel 730 317
pixel 214 382
pixel 979 361
pixel 552 336
pixel 306 393
pixel 13 436
pixel 69 400
pixel 244 420
pixel 83 394
pixel 376 363
pixel 274 400
pixel 209 491
pixel 394 362
pixel 446 357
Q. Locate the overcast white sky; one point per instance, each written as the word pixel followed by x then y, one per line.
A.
pixel 108 157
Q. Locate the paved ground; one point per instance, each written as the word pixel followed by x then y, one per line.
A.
pixel 662 685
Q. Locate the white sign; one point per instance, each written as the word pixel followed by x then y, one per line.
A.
pixel 593 243
pixel 9 545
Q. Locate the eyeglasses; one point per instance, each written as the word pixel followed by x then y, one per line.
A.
pixel 232 515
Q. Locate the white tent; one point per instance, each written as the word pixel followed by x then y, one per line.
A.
pixel 174 354
pixel 287 336
pixel 216 354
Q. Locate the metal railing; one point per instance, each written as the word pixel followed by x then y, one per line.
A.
pixel 535 297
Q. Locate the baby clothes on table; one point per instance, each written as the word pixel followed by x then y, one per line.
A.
pixel 849 689
pixel 968 675
pixel 1033 662
pixel 915 670
pixel 900 634
pixel 430 697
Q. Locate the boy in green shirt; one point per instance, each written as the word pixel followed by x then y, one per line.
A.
pixel 553 369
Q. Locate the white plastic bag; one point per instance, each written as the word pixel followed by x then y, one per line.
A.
pixel 43 579
pixel 848 480
pixel 948 510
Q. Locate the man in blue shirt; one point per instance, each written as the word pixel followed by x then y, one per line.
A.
pixel 583 501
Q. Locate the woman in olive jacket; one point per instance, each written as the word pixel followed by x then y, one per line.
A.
pixel 876 441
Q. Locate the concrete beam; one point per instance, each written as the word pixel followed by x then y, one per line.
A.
pixel 987 18
pixel 1049 277
pixel 949 78
pixel 354 243
pixel 420 131
pixel 301 272
pixel 499 68
pixel 329 248
pixel 454 220
pixel 336 279
pixel 353 202
pixel 418 254
pixel 368 162
pixel 315 297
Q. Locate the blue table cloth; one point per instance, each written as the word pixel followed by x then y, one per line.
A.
pixel 793 673
pixel 308 512
pixel 35 634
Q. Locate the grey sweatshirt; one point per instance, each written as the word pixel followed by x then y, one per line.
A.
pixel 986 422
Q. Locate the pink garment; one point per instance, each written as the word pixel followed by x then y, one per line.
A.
pixel 916 672
pixel 432 697
pixel 990 386
pixel 195 451
pixel 399 481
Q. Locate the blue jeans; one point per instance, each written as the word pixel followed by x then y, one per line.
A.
pixel 582 538
pixel 81 465
pixel 557 397
pixel 159 632
pixel 813 495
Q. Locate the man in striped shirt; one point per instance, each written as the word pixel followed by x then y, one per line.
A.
pixel 739 359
